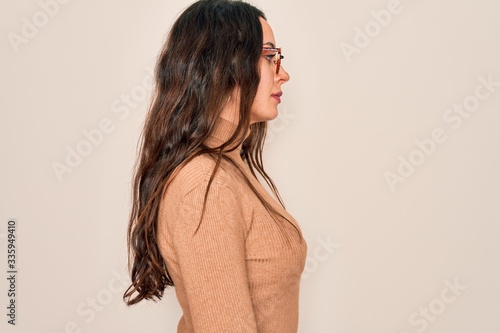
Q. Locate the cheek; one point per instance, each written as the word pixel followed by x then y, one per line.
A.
pixel 266 84
pixel 263 107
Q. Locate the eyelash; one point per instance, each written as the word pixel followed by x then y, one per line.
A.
pixel 270 57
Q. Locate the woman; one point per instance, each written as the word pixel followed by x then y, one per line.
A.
pixel 200 218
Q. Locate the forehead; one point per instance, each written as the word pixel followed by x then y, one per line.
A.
pixel 267 32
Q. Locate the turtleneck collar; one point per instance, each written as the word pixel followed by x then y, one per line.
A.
pixel 221 133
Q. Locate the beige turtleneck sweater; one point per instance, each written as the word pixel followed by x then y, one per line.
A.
pixel 241 271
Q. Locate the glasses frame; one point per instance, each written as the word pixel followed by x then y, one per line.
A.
pixel 277 61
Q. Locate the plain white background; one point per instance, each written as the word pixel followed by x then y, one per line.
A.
pixel 371 81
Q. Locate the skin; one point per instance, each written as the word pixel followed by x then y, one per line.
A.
pixel 265 106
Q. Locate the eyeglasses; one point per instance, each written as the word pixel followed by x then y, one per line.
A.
pixel 277 56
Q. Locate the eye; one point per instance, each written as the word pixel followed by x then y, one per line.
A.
pixel 270 57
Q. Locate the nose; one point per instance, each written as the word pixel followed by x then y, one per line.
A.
pixel 283 75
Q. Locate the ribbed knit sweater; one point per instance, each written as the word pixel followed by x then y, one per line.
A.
pixel 241 270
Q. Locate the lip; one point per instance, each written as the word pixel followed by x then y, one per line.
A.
pixel 277 96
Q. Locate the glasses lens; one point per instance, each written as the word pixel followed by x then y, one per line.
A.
pixel 277 56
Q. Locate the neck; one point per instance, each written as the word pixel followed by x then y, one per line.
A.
pixel 222 132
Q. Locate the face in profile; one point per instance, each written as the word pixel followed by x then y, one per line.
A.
pixel 265 104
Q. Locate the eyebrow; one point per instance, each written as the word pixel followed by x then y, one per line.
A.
pixel 270 44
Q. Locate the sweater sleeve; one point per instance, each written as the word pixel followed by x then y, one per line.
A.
pixel 212 261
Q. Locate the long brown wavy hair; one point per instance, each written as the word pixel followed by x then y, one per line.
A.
pixel 213 48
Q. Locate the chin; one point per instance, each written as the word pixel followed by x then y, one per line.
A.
pixel 266 115
pixel 275 113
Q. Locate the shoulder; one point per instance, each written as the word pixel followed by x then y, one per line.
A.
pixel 184 199
pixel 197 172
